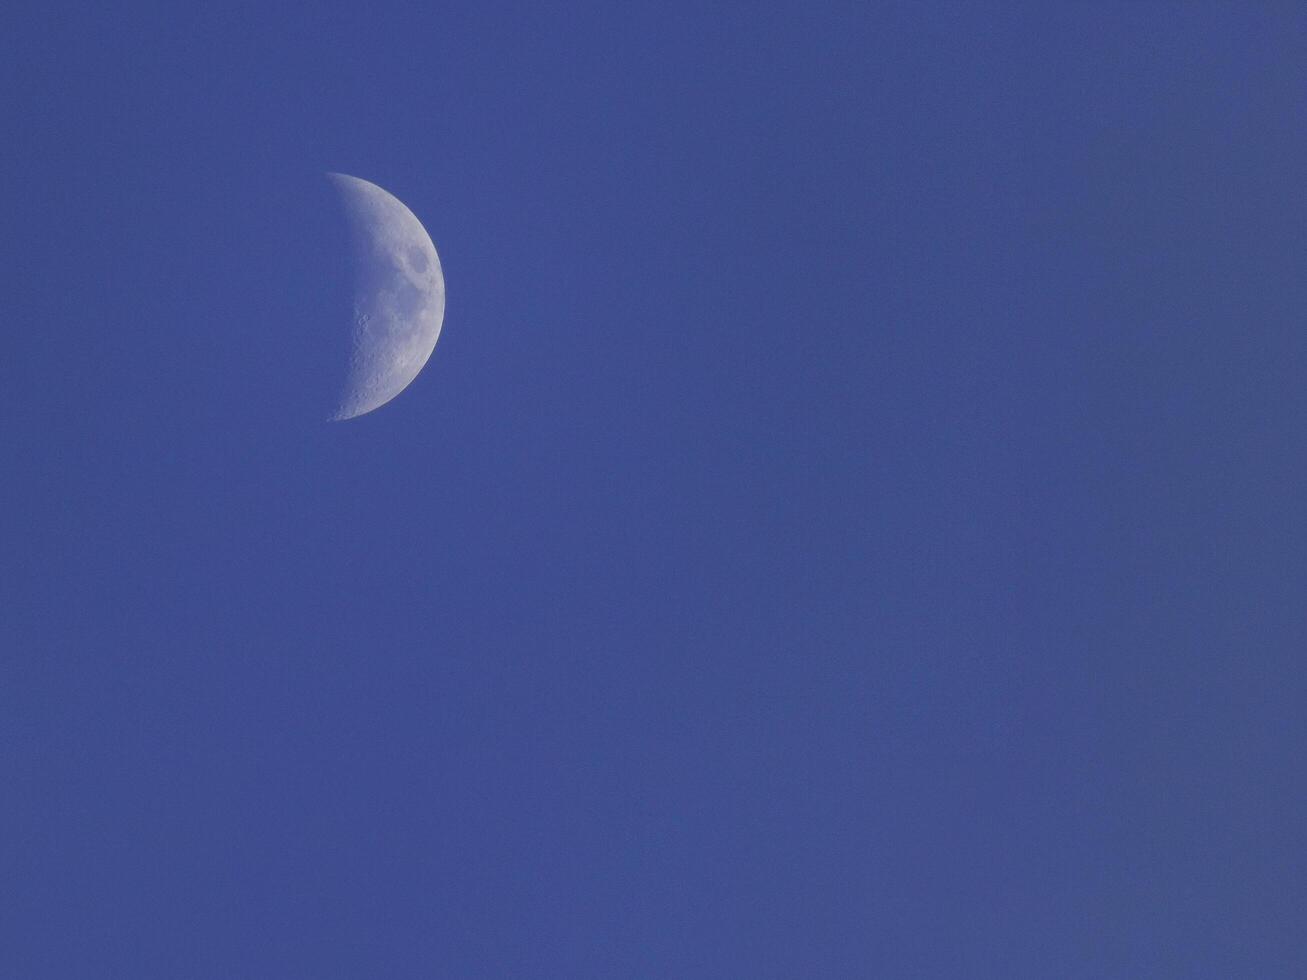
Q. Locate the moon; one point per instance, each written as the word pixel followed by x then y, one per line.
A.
pixel 399 297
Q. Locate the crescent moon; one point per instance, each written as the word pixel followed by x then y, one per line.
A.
pixel 399 297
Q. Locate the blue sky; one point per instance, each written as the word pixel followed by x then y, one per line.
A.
pixel 850 526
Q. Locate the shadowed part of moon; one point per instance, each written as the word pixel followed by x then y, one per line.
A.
pixel 399 297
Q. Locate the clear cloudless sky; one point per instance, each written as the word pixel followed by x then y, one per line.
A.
pixel 852 524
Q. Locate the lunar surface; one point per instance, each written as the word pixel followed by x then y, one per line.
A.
pixel 399 297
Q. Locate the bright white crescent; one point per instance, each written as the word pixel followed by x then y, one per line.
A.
pixel 399 297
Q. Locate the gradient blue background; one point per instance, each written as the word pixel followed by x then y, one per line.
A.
pixel 852 524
